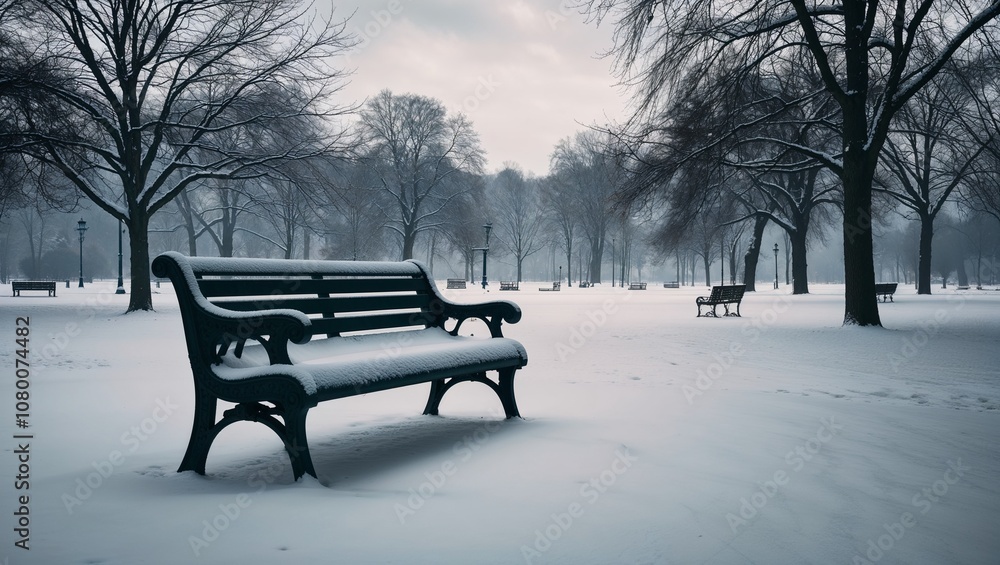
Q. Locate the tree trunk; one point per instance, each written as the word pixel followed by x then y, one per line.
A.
pixel 963 275
pixel 753 254
pixel 860 303
pixel 409 239
pixel 141 293
pixel 708 273
pixel 184 205
pixel 569 267
pixel 800 272
pixel 924 261
pixel 596 255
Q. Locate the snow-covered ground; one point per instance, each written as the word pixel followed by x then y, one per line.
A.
pixel 649 436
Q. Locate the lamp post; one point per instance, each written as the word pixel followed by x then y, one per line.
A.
pixel 560 274
pixel 81 227
pixel 775 266
pixel 612 262
pixel 121 280
pixel 486 250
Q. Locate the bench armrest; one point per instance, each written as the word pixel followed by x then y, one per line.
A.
pixel 228 327
pixel 494 314
pixel 211 329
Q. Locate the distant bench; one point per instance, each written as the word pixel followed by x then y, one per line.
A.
pixel 637 286
pixel 672 284
pixel 456 283
pixel 555 286
pixel 885 291
pixel 510 285
pixel 324 330
pixel 724 295
pixel 18 286
pixel 585 284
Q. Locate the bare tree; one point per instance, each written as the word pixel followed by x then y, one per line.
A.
pixel 415 149
pixel 872 56
pixel 928 156
pixel 354 229
pixel 518 214
pixel 155 82
pixel 462 226
pixel 562 210
pixel 587 164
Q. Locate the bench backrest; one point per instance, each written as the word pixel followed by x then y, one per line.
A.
pixel 885 288
pixel 338 296
pixel 727 293
pixel 33 285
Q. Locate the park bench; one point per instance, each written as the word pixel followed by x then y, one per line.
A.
pixel 456 283
pixel 724 295
pixel 672 284
pixel 585 284
pixel 276 337
pixel 510 285
pixel 637 286
pixel 555 286
pixel 18 286
pixel 885 291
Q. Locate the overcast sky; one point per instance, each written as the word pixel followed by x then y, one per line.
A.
pixel 527 73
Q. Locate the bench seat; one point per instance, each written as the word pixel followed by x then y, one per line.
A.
pixel 346 366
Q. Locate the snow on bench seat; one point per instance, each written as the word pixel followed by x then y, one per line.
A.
pixel 344 366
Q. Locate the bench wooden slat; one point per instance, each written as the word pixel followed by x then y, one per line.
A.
pixel 348 324
pixel 264 287
pixel 331 304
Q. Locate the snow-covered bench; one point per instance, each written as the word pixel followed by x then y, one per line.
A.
pixel 276 337
pixel 724 295
pixel 47 286
pixel 885 291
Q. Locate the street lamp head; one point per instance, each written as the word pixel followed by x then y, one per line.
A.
pixel 775 249
pixel 81 226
